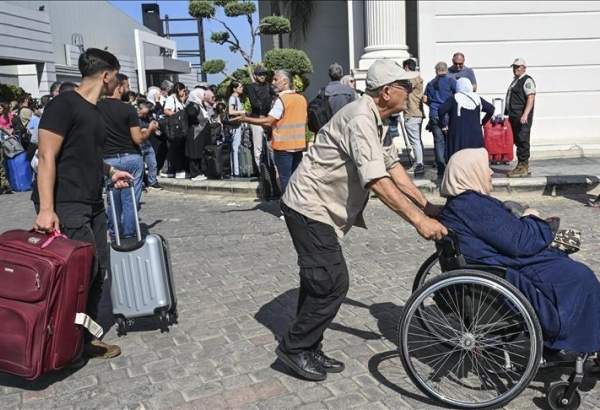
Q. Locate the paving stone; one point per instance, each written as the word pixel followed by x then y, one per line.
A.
pixel 236 297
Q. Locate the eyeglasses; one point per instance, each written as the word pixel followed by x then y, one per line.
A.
pixel 406 86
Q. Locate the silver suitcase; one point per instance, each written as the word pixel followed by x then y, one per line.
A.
pixel 142 281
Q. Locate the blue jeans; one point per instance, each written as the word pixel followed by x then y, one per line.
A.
pixel 439 145
pixel 286 163
pixel 134 164
pixel 150 160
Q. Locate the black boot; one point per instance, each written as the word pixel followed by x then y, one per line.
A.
pixel 304 364
pixel 329 365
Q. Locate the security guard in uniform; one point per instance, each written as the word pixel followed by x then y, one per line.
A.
pixel 520 99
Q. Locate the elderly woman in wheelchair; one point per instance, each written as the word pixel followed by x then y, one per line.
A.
pixel 474 334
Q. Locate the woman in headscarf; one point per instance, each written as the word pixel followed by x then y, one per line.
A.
pixel 198 133
pixel 464 113
pixel 564 293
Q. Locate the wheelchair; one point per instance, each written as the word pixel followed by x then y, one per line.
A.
pixel 470 339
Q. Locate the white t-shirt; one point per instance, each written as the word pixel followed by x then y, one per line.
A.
pixel 172 103
pixel 277 109
pixel 235 103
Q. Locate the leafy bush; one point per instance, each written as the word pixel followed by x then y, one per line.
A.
pixel 9 93
pixel 295 61
pixel 274 25
pixel 213 66
pixel 223 3
pixel 219 37
pixel 239 8
pixel 201 9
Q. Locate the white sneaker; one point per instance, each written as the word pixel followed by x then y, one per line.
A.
pixel 180 175
pixel 200 178
pixel 165 175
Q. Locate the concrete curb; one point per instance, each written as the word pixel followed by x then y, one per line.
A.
pixel 545 185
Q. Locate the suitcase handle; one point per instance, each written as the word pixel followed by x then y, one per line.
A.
pixel 501 113
pixel 115 220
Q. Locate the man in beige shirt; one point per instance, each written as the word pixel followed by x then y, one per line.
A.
pixel 326 196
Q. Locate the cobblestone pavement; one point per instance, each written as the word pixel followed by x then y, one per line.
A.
pixel 236 281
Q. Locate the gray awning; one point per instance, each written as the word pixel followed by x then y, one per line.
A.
pixel 158 63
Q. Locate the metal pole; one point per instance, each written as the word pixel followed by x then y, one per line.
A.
pixel 167 26
pixel 201 49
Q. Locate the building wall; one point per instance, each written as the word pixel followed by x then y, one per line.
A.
pixel 100 24
pixel 326 40
pixel 559 40
pixel 25 34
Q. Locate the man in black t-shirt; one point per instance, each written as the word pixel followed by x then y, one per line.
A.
pixel 68 189
pixel 261 95
pixel 122 151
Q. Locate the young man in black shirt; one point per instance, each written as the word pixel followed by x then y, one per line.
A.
pixel 68 190
pixel 122 151
pixel 261 95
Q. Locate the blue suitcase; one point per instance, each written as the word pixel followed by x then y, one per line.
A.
pixel 19 172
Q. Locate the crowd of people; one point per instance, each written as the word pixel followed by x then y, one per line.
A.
pixel 84 142
pixel 455 110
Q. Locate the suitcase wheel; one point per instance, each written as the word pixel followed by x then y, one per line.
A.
pixel 174 315
pixel 165 321
pixel 121 326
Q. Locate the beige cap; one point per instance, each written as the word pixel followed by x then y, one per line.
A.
pixel 519 61
pixel 383 72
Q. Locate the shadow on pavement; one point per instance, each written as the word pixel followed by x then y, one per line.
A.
pixel 269 207
pixel 42 383
pixel 374 364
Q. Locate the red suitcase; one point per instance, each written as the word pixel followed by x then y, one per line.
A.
pixel 44 284
pixel 498 136
pixel 498 140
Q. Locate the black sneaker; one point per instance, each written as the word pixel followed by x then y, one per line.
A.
pixel 329 364
pixel 303 364
pixel 155 187
pixel 419 169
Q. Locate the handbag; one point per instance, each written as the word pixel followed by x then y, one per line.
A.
pixel 175 127
pixel 11 146
pixel 567 240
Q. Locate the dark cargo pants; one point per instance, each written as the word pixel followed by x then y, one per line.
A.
pixel 521 136
pixel 324 280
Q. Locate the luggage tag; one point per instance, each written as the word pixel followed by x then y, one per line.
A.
pixel 87 322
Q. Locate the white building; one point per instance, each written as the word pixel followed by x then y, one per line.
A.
pixel 40 42
pixel 560 40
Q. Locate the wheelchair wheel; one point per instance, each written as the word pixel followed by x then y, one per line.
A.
pixel 429 269
pixel 482 345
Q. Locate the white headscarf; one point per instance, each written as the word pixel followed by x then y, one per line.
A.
pixel 465 97
pixel 196 96
pixel 467 170
pixel 153 92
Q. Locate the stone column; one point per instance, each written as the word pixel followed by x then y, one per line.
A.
pixel 385 33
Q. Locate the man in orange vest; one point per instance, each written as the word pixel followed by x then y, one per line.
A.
pixel 287 118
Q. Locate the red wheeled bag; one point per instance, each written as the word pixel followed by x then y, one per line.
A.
pixel 44 284
pixel 498 136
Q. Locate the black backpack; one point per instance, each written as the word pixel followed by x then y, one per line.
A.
pixel 20 131
pixel 319 112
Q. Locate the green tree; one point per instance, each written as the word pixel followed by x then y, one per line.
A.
pixel 293 60
pixel 270 25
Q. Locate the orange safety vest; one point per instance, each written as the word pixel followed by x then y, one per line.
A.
pixel 289 131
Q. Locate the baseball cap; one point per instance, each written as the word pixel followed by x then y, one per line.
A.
pixel 383 72
pixel 519 61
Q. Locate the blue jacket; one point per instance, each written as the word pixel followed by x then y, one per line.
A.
pixel 564 293
pixel 438 91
